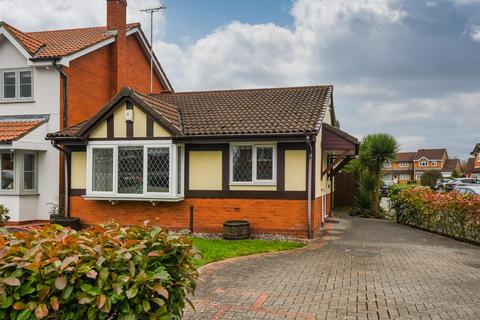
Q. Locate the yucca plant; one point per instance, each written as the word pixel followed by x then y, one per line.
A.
pixel 376 150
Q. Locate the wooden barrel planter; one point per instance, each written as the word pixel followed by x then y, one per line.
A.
pixel 236 230
pixel 71 222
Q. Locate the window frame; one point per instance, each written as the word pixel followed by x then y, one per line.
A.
pixel 403 164
pixel 387 164
pixel 423 163
pixel 145 144
pixel 35 172
pixel 478 156
pixel 17 97
pixel 255 181
pixel 14 171
pixel 434 163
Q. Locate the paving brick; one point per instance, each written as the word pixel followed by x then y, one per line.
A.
pixel 362 269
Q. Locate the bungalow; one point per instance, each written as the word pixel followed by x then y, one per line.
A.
pixel 473 165
pixel 268 156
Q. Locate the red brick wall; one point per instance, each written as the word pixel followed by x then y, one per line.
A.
pixel 89 80
pixel 265 216
pixel 317 211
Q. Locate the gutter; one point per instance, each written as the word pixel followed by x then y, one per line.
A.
pixel 66 173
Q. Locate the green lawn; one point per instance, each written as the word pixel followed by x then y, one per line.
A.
pixel 218 249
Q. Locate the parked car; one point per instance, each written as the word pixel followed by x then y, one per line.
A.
pixel 473 189
pixel 385 185
pixel 441 184
pixel 452 184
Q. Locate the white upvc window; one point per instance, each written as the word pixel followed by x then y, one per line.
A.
pixel 388 164
pixel 434 163
pixel 423 163
pixel 403 164
pixel 404 176
pixel 478 156
pixel 16 84
pixel 29 182
pixel 253 163
pixel 135 169
pixel 418 176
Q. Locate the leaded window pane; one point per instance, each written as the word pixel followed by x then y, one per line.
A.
pixel 264 163
pixel 102 169
pixel 130 170
pixel 9 81
pixel 28 171
pixel 158 169
pixel 8 173
pixel 25 84
pixel 242 163
pixel 179 170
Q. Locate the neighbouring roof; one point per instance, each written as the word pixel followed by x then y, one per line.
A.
pixel 59 43
pixel 274 111
pixel 14 130
pixel 405 156
pixel 430 154
pixel 450 165
pixel 476 149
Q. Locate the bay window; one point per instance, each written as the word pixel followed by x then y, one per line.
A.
pixel 18 172
pixel 7 166
pixel 29 169
pixel 130 169
pixel 253 164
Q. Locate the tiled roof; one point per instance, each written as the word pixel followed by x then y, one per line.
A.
pixel 250 111
pixel 14 130
pixel 273 111
pixel 476 149
pixel 58 43
pixel 405 156
pixel 450 165
pixel 431 154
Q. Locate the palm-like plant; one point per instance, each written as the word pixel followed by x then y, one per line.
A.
pixel 376 150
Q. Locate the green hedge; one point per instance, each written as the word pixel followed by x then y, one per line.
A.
pixel 106 272
pixel 451 214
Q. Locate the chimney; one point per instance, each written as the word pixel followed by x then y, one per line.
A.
pixel 117 22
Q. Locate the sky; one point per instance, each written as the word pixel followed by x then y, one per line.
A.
pixel 410 68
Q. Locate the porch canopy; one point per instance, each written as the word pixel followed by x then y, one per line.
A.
pixel 339 147
pixel 21 133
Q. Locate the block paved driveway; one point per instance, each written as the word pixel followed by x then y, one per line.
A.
pixel 362 269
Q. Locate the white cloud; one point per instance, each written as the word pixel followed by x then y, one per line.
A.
pixel 475 32
pixel 33 15
pixel 411 143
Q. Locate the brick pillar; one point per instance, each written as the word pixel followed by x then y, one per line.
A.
pixel 117 21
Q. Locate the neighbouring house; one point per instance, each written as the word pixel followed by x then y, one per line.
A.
pixel 268 156
pixel 473 164
pixel 50 80
pixel 409 166
pixel 400 170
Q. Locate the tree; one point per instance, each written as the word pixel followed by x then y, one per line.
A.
pixel 430 178
pixel 455 174
pixel 375 151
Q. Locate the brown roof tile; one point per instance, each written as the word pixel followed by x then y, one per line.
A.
pixel 405 156
pixel 450 165
pixel 250 111
pixel 235 112
pixel 58 43
pixel 14 130
pixel 430 154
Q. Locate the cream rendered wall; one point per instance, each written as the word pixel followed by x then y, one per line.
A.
pixel 321 184
pixel 295 170
pixel 46 101
pixel 119 125
pixel 205 171
pixel 100 131
pixel 78 172
pixel 159 131
pixel 139 123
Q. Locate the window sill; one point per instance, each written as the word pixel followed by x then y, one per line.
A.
pixel 3 101
pixel 115 199
pixel 265 184
pixel 3 193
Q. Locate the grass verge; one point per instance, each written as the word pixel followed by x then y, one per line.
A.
pixel 218 249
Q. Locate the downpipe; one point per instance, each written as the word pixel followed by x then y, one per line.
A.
pixel 67 167
pixel 309 187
